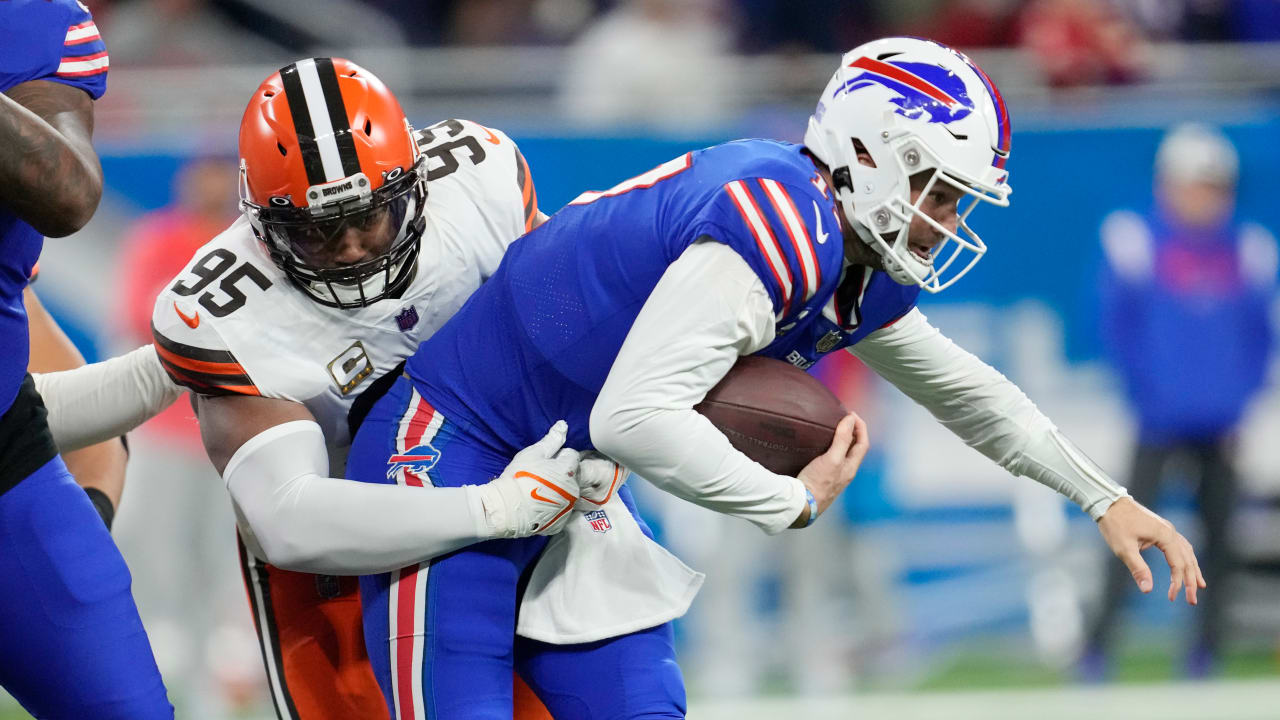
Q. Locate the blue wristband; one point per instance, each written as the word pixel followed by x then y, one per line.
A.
pixel 813 506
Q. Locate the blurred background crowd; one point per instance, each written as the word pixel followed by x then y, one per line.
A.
pixel 1130 290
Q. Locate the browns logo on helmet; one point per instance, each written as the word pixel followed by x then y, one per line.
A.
pixel 332 181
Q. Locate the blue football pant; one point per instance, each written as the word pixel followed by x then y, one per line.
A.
pixel 441 635
pixel 71 642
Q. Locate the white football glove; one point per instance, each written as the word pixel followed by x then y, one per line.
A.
pixel 536 491
pixel 598 479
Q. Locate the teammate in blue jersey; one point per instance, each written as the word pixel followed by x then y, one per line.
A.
pixel 621 311
pixel 74 646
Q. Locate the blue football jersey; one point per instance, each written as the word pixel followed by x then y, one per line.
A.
pixel 535 343
pixel 53 40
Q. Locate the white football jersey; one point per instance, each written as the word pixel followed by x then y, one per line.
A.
pixel 232 323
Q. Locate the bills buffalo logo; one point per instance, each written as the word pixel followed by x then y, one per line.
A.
pixel 921 88
pixel 598 520
pixel 417 460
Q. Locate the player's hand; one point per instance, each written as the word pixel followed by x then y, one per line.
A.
pixel 598 479
pixel 1130 528
pixel 536 491
pixel 830 473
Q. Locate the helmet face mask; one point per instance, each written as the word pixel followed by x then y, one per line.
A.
pixel 912 106
pixel 318 191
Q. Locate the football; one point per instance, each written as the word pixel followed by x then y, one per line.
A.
pixel 777 414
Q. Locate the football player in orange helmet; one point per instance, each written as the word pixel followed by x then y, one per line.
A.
pixel 333 182
pixel 334 186
pixel 284 319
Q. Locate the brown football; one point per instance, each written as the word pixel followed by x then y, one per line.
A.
pixel 776 413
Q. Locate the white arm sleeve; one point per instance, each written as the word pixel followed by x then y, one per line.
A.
pixel 302 520
pixel 708 309
pixel 985 409
pixel 94 403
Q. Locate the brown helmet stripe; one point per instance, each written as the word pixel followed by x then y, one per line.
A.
pixel 338 116
pixel 302 126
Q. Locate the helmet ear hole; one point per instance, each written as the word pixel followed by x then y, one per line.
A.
pixel 368 126
pixel 841 179
pixel 864 155
pixel 281 148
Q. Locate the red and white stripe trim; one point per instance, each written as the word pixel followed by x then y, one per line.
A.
pixel 84 65
pixel 406 615
pixel 82 33
pixel 764 238
pixel 798 233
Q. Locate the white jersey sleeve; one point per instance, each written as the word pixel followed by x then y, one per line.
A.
pixel 708 309
pixel 985 409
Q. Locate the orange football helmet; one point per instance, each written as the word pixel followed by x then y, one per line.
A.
pixel 327 159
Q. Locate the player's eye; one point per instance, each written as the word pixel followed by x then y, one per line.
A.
pixel 371 219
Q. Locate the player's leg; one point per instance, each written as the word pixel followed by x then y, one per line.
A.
pixel 440 634
pixel 528 706
pixel 1144 483
pixel 73 644
pixel 623 678
pixel 1216 497
pixel 309 630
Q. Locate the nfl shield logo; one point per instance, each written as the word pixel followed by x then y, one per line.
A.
pixel 599 521
pixel 828 342
pixel 407 318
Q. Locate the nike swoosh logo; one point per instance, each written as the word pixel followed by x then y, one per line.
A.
pixel 817 216
pixel 491 137
pixel 192 322
pixel 536 495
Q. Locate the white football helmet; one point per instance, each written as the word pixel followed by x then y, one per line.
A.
pixel 914 105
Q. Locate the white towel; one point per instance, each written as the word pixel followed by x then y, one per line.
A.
pixel 602 577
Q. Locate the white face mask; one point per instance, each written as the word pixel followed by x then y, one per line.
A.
pixel 957 252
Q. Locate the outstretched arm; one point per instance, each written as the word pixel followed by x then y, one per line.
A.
pixel 993 416
pixel 49 172
pixel 99 469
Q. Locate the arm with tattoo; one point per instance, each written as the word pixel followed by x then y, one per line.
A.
pixel 49 172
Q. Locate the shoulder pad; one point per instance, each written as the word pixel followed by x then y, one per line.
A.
pixel 793 232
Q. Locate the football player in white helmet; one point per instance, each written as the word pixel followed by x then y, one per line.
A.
pixel 914 136
pixel 901 119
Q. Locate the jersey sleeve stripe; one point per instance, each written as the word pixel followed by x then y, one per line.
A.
pixel 202 387
pixel 82 33
pixel 528 193
pixel 192 354
pixel 213 379
pixel 755 221
pixel 200 366
pixel 84 65
pixel 209 372
pixel 797 232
